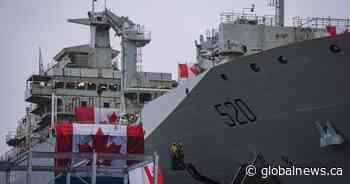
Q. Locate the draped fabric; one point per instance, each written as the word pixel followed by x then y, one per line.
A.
pixel 103 138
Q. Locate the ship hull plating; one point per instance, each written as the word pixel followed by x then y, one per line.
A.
pixel 266 104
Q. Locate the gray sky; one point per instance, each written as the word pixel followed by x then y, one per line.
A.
pixel 27 24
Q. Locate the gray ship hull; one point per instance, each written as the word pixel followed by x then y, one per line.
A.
pixel 272 112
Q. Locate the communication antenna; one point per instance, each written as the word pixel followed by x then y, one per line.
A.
pixel 41 64
pixel 279 11
pixel 93 7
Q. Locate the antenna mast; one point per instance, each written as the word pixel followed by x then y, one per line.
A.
pixel 279 11
pixel 93 7
pixel 41 64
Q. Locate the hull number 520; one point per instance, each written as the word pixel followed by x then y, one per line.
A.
pixel 236 112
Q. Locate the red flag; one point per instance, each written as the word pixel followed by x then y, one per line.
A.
pixel 64 141
pixel 332 30
pixel 84 115
pixel 136 144
pixel 183 69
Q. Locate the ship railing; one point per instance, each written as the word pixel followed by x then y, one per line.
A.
pixel 247 18
pixel 38 88
pixel 139 36
pixel 320 22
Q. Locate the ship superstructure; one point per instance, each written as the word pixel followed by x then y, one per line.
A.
pixel 246 33
pixel 89 75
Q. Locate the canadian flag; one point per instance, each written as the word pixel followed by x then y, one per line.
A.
pixel 90 115
pixel 186 71
pixel 332 30
pixel 101 138
pixel 145 175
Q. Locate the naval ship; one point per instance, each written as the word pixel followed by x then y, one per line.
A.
pixel 93 75
pixel 269 96
pixel 265 94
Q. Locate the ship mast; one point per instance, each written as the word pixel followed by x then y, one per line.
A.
pixel 279 11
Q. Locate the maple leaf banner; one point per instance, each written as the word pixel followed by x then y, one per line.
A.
pixel 101 138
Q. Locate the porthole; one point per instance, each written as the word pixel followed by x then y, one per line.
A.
pixel 255 67
pixel 335 48
pixel 223 77
pixel 282 60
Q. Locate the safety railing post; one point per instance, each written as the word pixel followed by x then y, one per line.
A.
pixel 94 167
pixel 155 168
pixel 68 178
pixel 126 179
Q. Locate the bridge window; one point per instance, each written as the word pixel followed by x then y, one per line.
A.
pixel 145 97
pixel 114 87
pixel 103 87
pixel 106 105
pixel 91 86
pixel 59 85
pixel 81 85
pixel 70 85
pixel 83 103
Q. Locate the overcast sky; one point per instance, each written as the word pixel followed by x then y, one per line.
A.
pixel 26 25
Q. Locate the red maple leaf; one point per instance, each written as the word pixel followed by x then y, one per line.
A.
pixel 114 118
pixel 99 143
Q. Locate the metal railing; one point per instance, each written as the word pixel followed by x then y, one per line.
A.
pixel 320 22
pixel 70 171
pixel 247 18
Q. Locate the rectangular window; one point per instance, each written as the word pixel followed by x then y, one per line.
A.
pixel 91 86
pixel 59 85
pixel 114 87
pixel 106 105
pixel 70 85
pixel 103 87
pixel 91 102
pixel 83 103
pixel 81 86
